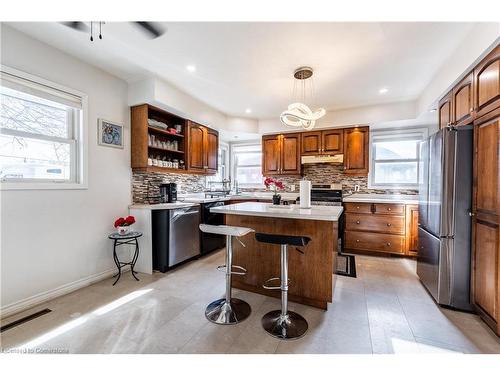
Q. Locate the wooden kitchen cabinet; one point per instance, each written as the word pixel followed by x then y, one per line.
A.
pixel 281 154
pixel 487 83
pixel 445 111
pixel 142 135
pixel 462 101
pixel 381 227
pixel 356 150
pixel 486 221
pixel 412 229
pixel 311 143
pixel 203 144
pixel 326 142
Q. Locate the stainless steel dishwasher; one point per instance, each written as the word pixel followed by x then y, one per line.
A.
pixel 175 236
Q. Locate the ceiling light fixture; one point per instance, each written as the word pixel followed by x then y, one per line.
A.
pixel 299 114
pixel 383 90
pixel 248 110
pixel 191 68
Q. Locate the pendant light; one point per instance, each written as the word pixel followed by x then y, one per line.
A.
pixel 298 113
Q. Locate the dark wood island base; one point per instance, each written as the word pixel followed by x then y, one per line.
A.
pixel 311 273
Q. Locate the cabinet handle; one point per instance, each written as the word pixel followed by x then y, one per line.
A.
pixel 388 244
pixel 357 240
pixel 388 224
pixel 388 209
pixel 357 222
pixel 357 207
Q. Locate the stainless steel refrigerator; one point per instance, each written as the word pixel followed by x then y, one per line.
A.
pixel 444 229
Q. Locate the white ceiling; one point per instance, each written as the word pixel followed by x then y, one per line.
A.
pixel 250 65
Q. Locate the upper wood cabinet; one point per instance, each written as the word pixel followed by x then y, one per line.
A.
pixel 203 146
pixel 356 150
pixel 476 95
pixel 487 83
pixel 462 99
pixel 148 142
pixel 445 111
pixel 281 154
pixel 311 143
pixel 326 142
pixel 290 154
pixel 271 155
pixel 332 141
pixel 212 150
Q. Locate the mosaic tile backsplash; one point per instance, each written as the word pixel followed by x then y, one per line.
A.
pixel 334 174
pixel 145 185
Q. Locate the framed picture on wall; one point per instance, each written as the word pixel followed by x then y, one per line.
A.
pixel 109 133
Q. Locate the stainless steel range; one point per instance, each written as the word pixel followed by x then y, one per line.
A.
pixel 326 194
pixel 329 195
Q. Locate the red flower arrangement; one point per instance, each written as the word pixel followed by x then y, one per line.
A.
pixel 270 182
pixel 124 222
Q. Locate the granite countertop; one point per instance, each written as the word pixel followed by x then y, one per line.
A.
pixel 381 198
pixel 293 211
pixel 162 206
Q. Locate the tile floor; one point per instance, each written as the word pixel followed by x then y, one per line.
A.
pixel 384 310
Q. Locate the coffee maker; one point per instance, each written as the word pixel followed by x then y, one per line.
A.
pixel 168 193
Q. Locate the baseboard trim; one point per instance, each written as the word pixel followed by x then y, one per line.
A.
pixel 29 302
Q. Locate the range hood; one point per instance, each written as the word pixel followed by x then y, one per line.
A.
pixel 334 159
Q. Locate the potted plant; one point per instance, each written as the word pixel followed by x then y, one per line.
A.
pixel 123 225
pixel 274 186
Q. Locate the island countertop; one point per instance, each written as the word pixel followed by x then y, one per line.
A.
pixel 293 211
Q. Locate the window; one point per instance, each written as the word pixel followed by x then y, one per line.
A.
pixel 395 158
pixel 41 142
pixel 247 164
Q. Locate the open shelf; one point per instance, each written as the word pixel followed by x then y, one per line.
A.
pixel 165 132
pixel 152 168
pixel 167 150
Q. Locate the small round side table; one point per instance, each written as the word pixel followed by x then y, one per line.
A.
pixel 125 239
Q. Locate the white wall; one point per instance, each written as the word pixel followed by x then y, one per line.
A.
pixel 51 238
pixel 470 51
pixel 164 95
pixel 352 116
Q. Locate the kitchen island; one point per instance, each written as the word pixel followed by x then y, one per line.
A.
pixel 310 272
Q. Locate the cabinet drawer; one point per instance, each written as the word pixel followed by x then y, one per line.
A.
pixel 389 209
pixel 390 243
pixel 375 223
pixel 362 208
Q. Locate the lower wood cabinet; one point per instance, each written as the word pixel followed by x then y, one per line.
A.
pixel 380 227
pixel 486 222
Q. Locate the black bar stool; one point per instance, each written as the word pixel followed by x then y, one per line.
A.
pixel 283 324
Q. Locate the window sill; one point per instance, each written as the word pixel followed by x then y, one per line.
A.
pixel 42 186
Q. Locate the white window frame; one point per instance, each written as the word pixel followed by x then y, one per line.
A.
pixel 80 140
pixel 394 134
pixel 233 167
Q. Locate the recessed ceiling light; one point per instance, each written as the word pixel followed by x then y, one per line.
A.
pixel 191 68
pixel 383 90
pixel 248 110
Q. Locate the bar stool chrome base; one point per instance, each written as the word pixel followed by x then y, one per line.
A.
pixel 221 312
pixel 288 327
